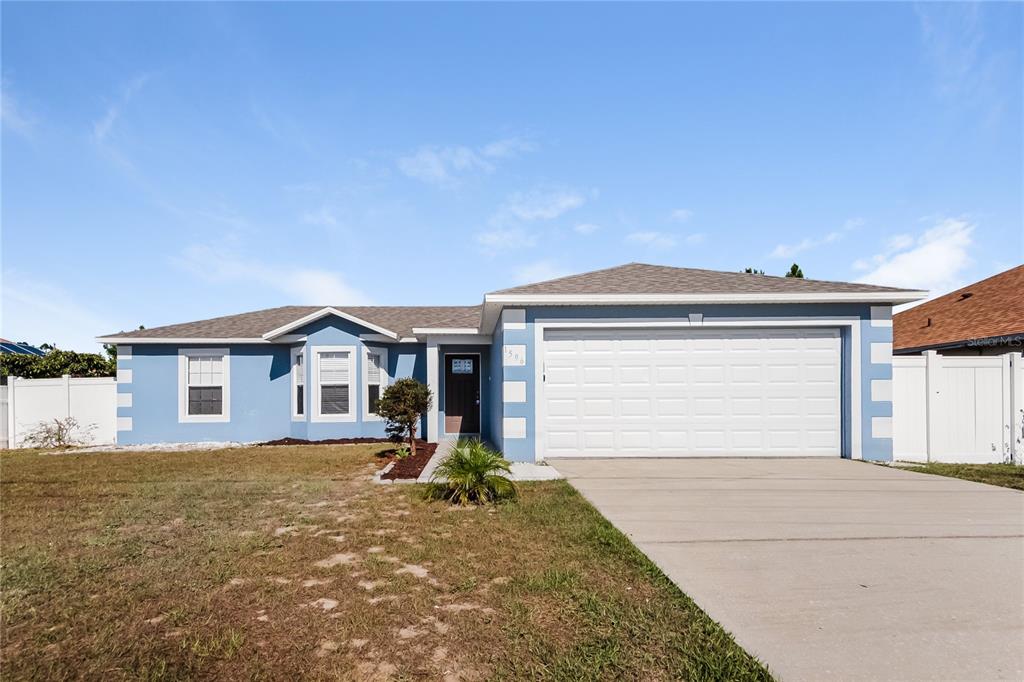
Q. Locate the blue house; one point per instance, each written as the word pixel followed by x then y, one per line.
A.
pixel 632 361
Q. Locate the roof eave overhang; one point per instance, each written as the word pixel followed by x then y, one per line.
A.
pixel 493 303
pixel 1012 338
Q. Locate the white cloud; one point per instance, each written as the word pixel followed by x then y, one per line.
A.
pixel 13 116
pixel 509 147
pixel 935 260
pixel 541 204
pixel 586 228
pixel 447 166
pixel 696 238
pixel 304 284
pixel 539 271
pixel 37 311
pixel 505 239
pixel 506 228
pixel 103 126
pixel 681 215
pixel 808 243
pixel 656 239
pixel 323 216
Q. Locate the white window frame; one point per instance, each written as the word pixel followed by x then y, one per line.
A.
pixel 385 379
pixel 316 415
pixel 296 353
pixel 183 416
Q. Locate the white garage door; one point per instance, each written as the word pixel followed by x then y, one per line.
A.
pixel 668 392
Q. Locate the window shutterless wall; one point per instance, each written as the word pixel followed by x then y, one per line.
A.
pixel 260 407
pixel 401 360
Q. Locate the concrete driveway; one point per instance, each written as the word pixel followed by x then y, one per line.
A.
pixel 832 569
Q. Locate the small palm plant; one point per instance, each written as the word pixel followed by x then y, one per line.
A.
pixel 472 473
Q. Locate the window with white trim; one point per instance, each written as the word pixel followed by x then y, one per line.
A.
pixel 334 377
pixel 203 385
pixel 375 379
pixel 206 385
pixel 298 383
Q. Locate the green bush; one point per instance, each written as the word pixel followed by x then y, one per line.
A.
pixel 402 405
pixel 57 363
pixel 472 474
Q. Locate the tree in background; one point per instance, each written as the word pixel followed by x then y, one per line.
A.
pixel 402 405
pixel 753 271
pixel 795 271
pixel 57 363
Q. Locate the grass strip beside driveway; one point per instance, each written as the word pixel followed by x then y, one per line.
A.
pixel 1004 475
pixel 287 562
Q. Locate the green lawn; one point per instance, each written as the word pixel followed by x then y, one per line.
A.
pixel 1005 475
pixel 289 563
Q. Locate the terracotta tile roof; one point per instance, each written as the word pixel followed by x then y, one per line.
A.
pixel 989 308
pixel 399 319
pixel 640 278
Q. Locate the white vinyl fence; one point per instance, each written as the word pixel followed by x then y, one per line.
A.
pixel 958 408
pixel 92 401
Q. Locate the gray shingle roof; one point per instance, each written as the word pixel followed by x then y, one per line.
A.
pixel 399 319
pixel 633 278
pixel 640 278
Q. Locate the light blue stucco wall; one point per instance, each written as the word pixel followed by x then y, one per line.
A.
pixel 260 409
pixel 260 389
pixel 872 448
pixel 261 380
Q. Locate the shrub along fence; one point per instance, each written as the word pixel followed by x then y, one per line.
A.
pixel 91 401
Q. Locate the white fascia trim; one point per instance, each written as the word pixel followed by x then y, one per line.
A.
pixel 384 380
pixel 445 330
pixel 613 299
pixel 856 425
pixel 324 312
pixel 225 397
pixel 314 375
pixel 380 338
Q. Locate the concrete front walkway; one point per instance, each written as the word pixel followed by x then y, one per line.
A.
pixel 832 569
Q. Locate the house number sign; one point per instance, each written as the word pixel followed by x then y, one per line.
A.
pixel 514 355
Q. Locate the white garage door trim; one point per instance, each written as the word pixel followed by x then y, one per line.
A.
pixel 852 323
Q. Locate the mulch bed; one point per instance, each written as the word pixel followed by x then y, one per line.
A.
pixel 412 466
pixel 408 468
pixel 328 441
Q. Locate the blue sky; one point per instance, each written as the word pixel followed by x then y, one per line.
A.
pixel 170 162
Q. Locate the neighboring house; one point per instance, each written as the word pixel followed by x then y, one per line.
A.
pixel 984 318
pixel 18 348
pixel 636 360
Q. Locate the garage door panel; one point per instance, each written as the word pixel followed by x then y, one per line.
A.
pixel 598 407
pixel 635 376
pixel 691 392
pixel 671 375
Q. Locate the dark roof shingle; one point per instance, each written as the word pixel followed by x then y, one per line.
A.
pixel 641 278
pixel 399 319
pixel 989 308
